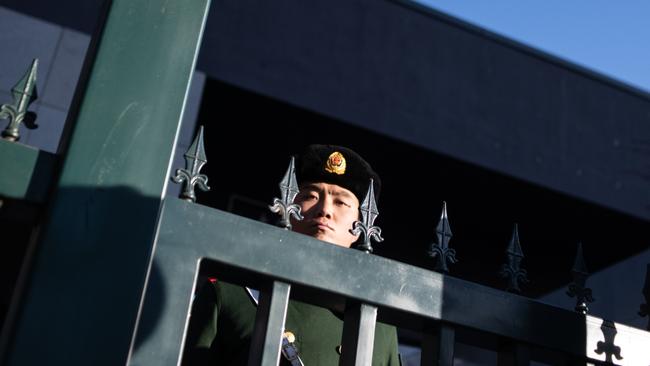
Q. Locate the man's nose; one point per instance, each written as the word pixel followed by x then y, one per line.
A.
pixel 325 208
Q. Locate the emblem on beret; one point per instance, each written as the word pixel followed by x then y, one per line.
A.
pixel 335 163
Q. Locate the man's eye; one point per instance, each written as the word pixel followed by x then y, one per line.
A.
pixel 342 203
pixel 309 196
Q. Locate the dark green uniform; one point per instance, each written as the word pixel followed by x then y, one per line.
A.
pixel 222 323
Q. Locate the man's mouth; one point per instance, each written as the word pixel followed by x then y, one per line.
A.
pixel 322 226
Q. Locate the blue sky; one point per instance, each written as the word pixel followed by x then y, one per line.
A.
pixel 609 37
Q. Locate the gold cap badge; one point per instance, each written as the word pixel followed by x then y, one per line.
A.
pixel 335 163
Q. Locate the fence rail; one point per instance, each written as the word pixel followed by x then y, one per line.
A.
pixel 247 252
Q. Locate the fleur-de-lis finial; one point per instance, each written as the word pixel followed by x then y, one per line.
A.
pixel 288 190
pixel 645 308
pixel 24 93
pixel 195 158
pixel 440 250
pixel 365 227
pixel 607 346
pixel 577 288
pixel 512 270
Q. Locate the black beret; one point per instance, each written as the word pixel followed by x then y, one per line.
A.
pixel 337 165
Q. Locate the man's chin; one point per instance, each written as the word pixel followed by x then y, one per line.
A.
pixel 320 235
pixel 323 236
pixel 329 240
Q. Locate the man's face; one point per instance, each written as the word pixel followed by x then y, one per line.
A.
pixel 329 211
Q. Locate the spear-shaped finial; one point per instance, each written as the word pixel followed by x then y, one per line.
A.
pixel 577 288
pixel 645 308
pixel 288 190
pixel 24 93
pixel 195 158
pixel 369 213
pixel 512 270
pixel 440 251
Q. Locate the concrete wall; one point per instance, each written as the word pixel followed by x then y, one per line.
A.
pixel 425 79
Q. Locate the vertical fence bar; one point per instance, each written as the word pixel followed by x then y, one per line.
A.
pixel 358 334
pixel 269 325
pixel 438 346
pixel 92 256
pixel 513 354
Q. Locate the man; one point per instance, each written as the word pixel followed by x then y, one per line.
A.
pixel 333 181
